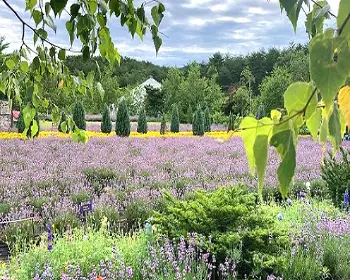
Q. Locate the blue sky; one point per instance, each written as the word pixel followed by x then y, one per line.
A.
pixel 195 30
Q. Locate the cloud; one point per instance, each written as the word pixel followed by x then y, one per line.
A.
pixel 194 29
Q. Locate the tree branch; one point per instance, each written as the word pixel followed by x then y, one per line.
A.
pixel 318 5
pixel 33 29
pixel 341 29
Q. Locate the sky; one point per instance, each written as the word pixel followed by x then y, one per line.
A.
pixel 193 30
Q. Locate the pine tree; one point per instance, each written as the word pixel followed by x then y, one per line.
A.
pixel 79 116
pixel 198 122
pixel 122 124
pixel 106 124
pixel 189 114
pixel 175 121
pixel 163 125
pixel 207 121
pixel 142 121
pixel 63 119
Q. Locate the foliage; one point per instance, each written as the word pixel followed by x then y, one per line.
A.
pixel 106 124
pixel 34 126
pixel 63 125
pixel 207 120
pixel 189 115
pixel 79 116
pixel 163 127
pixel 122 124
pixel 233 220
pixel 335 172
pixel 142 121
pixel 233 122
pixel 198 122
pixel 175 121
pixel 240 101
pixel 155 101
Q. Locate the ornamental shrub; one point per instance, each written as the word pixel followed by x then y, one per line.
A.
pixel 142 121
pixel 106 124
pixel 163 127
pixel 207 120
pixel 231 122
pixel 336 173
pixel 63 119
pixel 79 116
pixel 189 115
pixel 198 122
pixel 235 222
pixel 175 121
pixel 122 124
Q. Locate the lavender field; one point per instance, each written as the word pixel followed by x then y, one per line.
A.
pixel 48 176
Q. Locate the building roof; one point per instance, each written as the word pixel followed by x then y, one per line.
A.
pixel 150 82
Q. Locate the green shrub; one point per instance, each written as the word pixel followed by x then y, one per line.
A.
pixel 99 178
pixel 38 203
pixel 175 121
pixel 79 116
pixel 207 120
pixel 142 121
pixel 163 127
pixel 137 212
pixel 106 124
pixel 189 114
pixel 95 218
pixel 81 196
pixel 4 208
pixel 122 125
pixel 234 220
pixel 198 122
pixel 336 173
pixel 63 120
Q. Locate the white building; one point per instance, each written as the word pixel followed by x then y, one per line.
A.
pixel 139 93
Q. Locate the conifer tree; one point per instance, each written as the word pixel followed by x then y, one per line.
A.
pixel 122 125
pixel 198 122
pixel 79 116
pixel 106 124
pixel 163 127
pixel 142 121
pixel 175 121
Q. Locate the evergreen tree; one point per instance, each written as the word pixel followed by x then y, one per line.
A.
pixel 231 122
pixel 63 119
pixel 163 125
pixel 122 125
pixel 198 122
pixel 175 121
pixel 207 121
pixel 142 121
pixel 189 114
pixel 106 124
pixel 21 125
pixel 79 116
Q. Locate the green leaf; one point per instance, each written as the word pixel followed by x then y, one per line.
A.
pixel 52 52
pixel 28 115
pixel 42 33
pixel 329 64
pixel 74 10
pixel 334 127
pixel 157 43
pixel 260 156
pixel 35 64
pixel 55 114
pixel 70 26
pixel 284 142
pixel 292 8
pixel 344 11
pixel 58 5
pixel 324 128
pixel 101 19
pixel 314 122
pixel 63 127
pixel 24 66
pixel 90 79
pixel 34 128
pixel 155 15
pixel 100 90
pixel 35 100
pixel 92 6
pixel 62 54
pixel 47 8
pixel 86 52
pixel 10 64
pixel 37 16
pixel 50 23
pixel 30 4
pixel 114 7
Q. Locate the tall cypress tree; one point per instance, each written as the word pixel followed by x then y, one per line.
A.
pixel 175 121
pixel 163 125
pixel 231 122
pixel 79 116
pixel 142 121
pixel 189 114
pixel 207 121
pixel 198 122
pixel 106 124
pixel 63 119
pixel 122 125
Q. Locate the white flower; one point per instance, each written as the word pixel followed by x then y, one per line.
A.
pixel 279 217
pixel 308 185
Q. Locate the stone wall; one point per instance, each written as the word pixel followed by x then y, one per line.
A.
pixel 5 116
